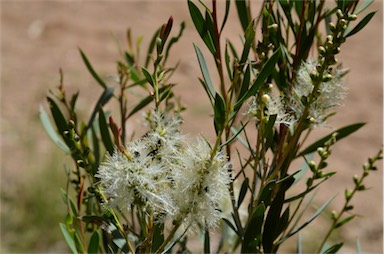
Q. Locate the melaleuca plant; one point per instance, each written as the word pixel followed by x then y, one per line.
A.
pixel 151 192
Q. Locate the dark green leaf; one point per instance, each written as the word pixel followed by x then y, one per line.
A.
pixel 245 83
pixel 104 132
pixel 94 243
pixel 249 37
pixel 333 249
pixel 243 191
pixel 361 25
pixel 219 114
pixel 227 6
pixel 235 134
pixel 104 98
pixel 344 221
pixel 261 78
pixel 303 193
pixel 151 47
pixel 144 102
pixel 201 26
pixel 242 12
pixel 92 71
pixel 96 148
pixel 204 70
pixel 51 132
pixel 317 213
pixel 231 226
pixel 266 193
pixel 148 76
pixel 207 242
pixel 252 235
pixel 342 133
pixel 268 134
pixel 58 117
pixel 158 236
pixel 69 238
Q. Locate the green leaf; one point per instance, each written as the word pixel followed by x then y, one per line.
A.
pixel 235 134
pixel 231 226
pixel 148 76
pixel 207 242
pixel 51 132
pixel 333 249
pixel 317 213
pixel 204 70
pixel 69 238
pixel 342 133
pixel 245 83
pixel 243 191
pixel 58 117
pixel 201 26
pixel 249 37
pixel 93 246
pixel 92 71
pixel 227 6
pixel 252 235
pixel 219 113
pixel 267 69
pixel 144 102
pixel 363 6
pixel 344 221
pixel 158 236
pixel 104 132
pixel 104 98
pixel 242 12
pixel 361 25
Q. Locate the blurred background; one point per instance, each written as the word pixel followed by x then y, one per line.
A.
pixel 39 37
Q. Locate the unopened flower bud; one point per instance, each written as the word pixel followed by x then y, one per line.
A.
pixel 322 50
pixel 366 166
pixel 265 98
pixel 329 38
pixel 339 13
pixel 331 26
pixel 356 179
pixel 336 50
pixel 273 27
pixel 327 77
pixel 352 17
pixel 334 215
pixel 348 194
pixel 71 124
pixel 312 120
pixel 270 86
pixel 342 22
pixel 320 151
pixel 312 165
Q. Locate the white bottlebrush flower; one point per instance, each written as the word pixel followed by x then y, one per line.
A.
pixel 200 184
pixel 272 105
pixel 330 94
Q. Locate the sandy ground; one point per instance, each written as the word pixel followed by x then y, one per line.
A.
pixel 39 37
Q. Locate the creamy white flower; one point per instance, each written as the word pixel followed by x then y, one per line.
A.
pixel 272 105
pixel 329 94
pixel 200 184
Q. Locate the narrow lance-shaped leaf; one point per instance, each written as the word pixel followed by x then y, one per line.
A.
pixel 94 243
pixel 243 191
pixel 252 235
pixel 249 37
pixel 145 101
pixel 201 26
pixel 361 25
pixel 92 71
pixel 333 249
pixel 51 131
pixel 219 116
pixel 261 78
pixel 342 133
pixel 104 98
pixel 104 132
pixel 204 70
pixel 317 213
pixel 69 238
pixel 148 76
pixel 242 13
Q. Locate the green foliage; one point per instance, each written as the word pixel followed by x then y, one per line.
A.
pixel 259 91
